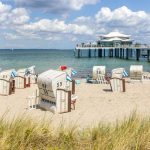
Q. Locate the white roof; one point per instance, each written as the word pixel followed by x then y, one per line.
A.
pixel 7 72
pixel 51 74
pixel 116 39
pixel 116 34
pixel 94 43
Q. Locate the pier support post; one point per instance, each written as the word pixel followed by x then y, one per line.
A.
pixel 78 53
pixel 115 52
pixel 148 55
pixel 120 52
pixel 99 52
pixel 123 53
pixel 127 53
pixel 95 53
pixel 104 52
pixel 137 54
pixel 89 53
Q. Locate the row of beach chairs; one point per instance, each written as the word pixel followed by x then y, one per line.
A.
pixel 116 78
pixel 12 79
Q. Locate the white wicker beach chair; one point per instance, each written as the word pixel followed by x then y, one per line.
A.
pixel 53 95
pixel 32 74
pixel 146 76
pixel 22 80
pixel 118 72
pixel 117 84
pixel 7 83
pixel 136 72
pixel 101 79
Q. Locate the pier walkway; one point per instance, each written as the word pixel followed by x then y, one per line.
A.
pixel 123 52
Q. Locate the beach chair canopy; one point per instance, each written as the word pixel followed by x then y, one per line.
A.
pixel 22 72
pixel 31 70
pixel 136 72
pixel 49 82
pixel 118 72
pixel 8 74
pixel 98 70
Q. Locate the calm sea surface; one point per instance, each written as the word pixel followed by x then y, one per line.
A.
pixel 52 59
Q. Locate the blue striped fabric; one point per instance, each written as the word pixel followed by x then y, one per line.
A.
pixel 125 73
pixel 14 73
pixel 69 78
pixel 74 72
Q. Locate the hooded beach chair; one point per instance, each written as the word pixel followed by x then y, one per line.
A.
pixel 99 74
pixel 7 82
pixel 136 72
pixel 117 84
pixel 32 74
pixel 146 76
pixel 119 73
pixel 22 80
pixel 53 95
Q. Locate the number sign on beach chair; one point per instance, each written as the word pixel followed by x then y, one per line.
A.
pixel 117 84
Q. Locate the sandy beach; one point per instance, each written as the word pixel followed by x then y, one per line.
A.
pixel 95 104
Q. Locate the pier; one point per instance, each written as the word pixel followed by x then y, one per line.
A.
pixel 113 45
pixel 127 52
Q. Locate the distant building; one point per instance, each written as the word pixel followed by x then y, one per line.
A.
pixel 114 39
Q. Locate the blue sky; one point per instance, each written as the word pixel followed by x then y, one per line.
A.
pixel 64 23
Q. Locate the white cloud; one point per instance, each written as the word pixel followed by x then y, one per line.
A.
pixel 9 16
pixel 56 26
pixel 56 6
pixel 10 36
pixel 121 16
pixel 19 16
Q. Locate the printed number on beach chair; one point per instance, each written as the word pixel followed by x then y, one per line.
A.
pixel 101 79
pixel 117 84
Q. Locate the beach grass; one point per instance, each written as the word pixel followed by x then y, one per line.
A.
pixel 132 133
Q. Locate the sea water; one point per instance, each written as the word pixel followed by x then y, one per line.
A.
pixel 52 59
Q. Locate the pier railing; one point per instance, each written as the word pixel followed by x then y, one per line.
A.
pixel 133 46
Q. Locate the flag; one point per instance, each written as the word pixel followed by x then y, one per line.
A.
pixel 74 72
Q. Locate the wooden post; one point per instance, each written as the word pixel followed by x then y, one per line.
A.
pixel 13 86
pixel 69 101
pixel 124 88
pixel 24 82
pixel 73 86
